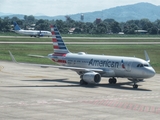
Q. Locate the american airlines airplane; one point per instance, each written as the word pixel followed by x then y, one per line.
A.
pixel 91 67
pixel 31 33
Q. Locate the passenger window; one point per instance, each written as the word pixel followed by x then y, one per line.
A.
pixel 138 65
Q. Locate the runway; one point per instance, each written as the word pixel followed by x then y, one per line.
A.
pixel 88 43
pixel 121 37
pixel 29 93
pixel 152 42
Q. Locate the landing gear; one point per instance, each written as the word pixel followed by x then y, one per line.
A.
pixel 112 80
pixel 82 82
pixel 135 86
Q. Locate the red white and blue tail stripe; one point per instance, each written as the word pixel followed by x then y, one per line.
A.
pixel 58 44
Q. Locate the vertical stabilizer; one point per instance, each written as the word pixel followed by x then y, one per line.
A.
pixel 16 26
pixel 58 43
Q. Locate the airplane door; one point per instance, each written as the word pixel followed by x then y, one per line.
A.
pixel 128 66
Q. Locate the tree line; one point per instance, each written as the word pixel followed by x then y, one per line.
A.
pixel 107 26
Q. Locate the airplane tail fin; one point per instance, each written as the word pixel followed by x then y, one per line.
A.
pixel 16 26
pixel 58 43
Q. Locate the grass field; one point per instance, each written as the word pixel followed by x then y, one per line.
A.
pixel 79 39
pixel 21 51
pixel 90 35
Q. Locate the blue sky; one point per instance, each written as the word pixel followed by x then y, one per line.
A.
pixel 62 7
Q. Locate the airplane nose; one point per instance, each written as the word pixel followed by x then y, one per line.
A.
pixel 151 72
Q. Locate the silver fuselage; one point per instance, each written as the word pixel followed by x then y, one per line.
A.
pixel 33 32
pixel 113 66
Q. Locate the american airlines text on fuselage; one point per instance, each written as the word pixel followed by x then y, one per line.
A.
pixel 103 63
pixel 97 63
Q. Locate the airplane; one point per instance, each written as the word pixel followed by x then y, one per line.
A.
pixel 31 33
pixel 91 67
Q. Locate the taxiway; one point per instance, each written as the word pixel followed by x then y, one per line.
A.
pixel 29 92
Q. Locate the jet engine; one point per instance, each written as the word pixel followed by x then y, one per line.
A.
pixel 92 77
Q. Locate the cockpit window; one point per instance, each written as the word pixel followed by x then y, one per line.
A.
pixel 146 65
pixel 142 65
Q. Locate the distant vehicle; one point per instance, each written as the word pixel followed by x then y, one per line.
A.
pixel 92 67
pixel 31 33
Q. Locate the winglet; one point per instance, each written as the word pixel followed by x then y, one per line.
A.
pixel 147 57
pixel 13 59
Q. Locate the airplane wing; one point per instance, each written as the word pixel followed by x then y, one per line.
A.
pixel 71 68
pixel 39 56
pixel 55 66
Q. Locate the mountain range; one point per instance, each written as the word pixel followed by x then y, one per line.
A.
pixel 120 13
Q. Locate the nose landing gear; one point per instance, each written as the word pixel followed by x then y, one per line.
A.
pixel 135 86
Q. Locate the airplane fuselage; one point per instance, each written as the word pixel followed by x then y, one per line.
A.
pixel 113 66
pixel 33 32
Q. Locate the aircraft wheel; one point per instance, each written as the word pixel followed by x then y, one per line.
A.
pixel 82 82
pixel 135 86
pixel 112 81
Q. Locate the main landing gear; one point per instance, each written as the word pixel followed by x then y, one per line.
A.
pixel 112 80
pixel 135 85
pixel 82 82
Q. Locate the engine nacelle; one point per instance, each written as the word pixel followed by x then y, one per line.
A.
pixel 92 77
